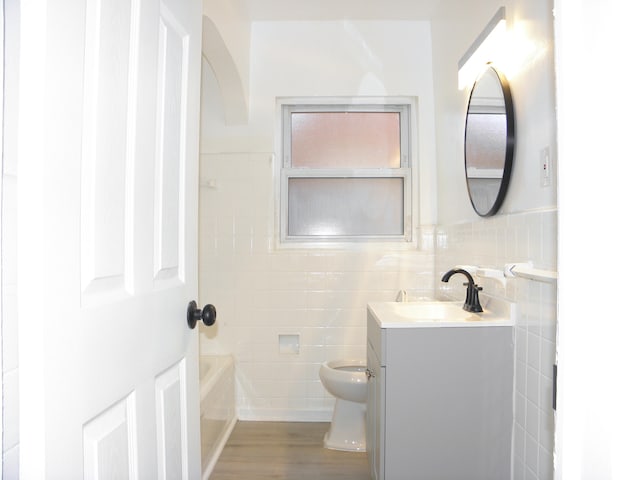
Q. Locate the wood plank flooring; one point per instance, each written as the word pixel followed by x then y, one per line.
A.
pixel 286 450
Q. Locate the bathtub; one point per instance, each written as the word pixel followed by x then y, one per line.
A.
pixel 217 407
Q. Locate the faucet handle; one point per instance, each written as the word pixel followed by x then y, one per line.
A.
pixel 472 303
pixel 402 296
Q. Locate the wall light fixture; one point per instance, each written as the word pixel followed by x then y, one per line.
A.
pixel 487 48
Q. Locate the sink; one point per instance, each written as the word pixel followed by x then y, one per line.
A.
pixel 432 311
pixel 440 314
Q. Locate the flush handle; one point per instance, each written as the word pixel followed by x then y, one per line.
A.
pixel 208 314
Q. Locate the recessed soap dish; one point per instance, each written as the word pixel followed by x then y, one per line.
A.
pixel 289 344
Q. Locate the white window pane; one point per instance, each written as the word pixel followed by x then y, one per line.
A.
pixel 346 206
pixel 488 135
pixel 345 139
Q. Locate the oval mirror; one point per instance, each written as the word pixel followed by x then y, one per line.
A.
pixel 489 142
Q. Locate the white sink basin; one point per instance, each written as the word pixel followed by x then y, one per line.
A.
pixel 437 314
pixel 431 311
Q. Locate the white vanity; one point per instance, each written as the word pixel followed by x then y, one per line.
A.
pixel 440 391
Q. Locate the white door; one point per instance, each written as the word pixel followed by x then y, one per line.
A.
pixel 107 209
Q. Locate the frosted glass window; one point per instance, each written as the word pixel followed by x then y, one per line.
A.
pixel 346 206
pixel 488 134
pixel 345 172
pixel 345 139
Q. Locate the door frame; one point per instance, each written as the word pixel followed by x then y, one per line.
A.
pixel 1 230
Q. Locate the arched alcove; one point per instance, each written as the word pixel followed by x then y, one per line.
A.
pixel 216 53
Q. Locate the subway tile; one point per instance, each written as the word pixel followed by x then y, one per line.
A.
pixel 533 386
pixel 249 264
pixel 529 474
pixel 345 336
pixel 521 344
pixel 521 378
pixel 519 438
pixel 549 257
pixel 547 357
pixel 223 245
pixel 518 469
pixel 319 281
pixel 332 298
pixel 533 420
pixel 277 299
pixel 288 281
pixel 314 353
pixel 319 404
pixel 533 347
pixel 242 244
pixel 520 410
pixel 547 431
pixel 344 317
pixel 314 388
pixel 313 336
pixel 548 311
pixel 531 455
pixel 345 351
pixel 545 465
pixel 535 238
pixel 312 370
pixel 291 261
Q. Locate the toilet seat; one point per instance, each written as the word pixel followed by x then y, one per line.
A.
pixel 345 379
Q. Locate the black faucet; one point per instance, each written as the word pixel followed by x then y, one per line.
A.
pixel 471 303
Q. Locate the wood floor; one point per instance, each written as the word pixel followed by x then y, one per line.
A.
pixel 285 450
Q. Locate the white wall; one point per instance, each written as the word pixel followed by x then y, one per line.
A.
pixel 525 228
pixel 233 26
pixel 261 290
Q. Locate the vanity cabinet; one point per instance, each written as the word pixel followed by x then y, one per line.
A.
pixel 439 402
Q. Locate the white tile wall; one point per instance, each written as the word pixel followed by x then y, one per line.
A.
pixel 262 291
pixel 530 236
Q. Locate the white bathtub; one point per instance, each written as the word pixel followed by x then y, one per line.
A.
pixel 217 407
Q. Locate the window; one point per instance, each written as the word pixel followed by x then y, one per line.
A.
pixel 346 173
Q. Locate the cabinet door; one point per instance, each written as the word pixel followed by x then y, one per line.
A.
pixel 375 415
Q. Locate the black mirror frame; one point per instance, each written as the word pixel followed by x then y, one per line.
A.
pixel 510 144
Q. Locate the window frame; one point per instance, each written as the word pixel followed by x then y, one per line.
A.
pixel 406 171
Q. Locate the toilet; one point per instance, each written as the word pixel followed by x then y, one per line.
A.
pixel 347 381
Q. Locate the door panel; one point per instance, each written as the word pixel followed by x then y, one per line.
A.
pixel 170 156
pixel 109 442
pixel 108 133
pixel 108 138
pixel 171 423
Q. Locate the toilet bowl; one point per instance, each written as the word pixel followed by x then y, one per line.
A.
pixel 347 381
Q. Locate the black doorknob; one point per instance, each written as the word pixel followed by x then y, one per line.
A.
pixel 207 314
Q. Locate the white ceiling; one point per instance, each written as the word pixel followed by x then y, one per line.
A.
pixel 318 10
